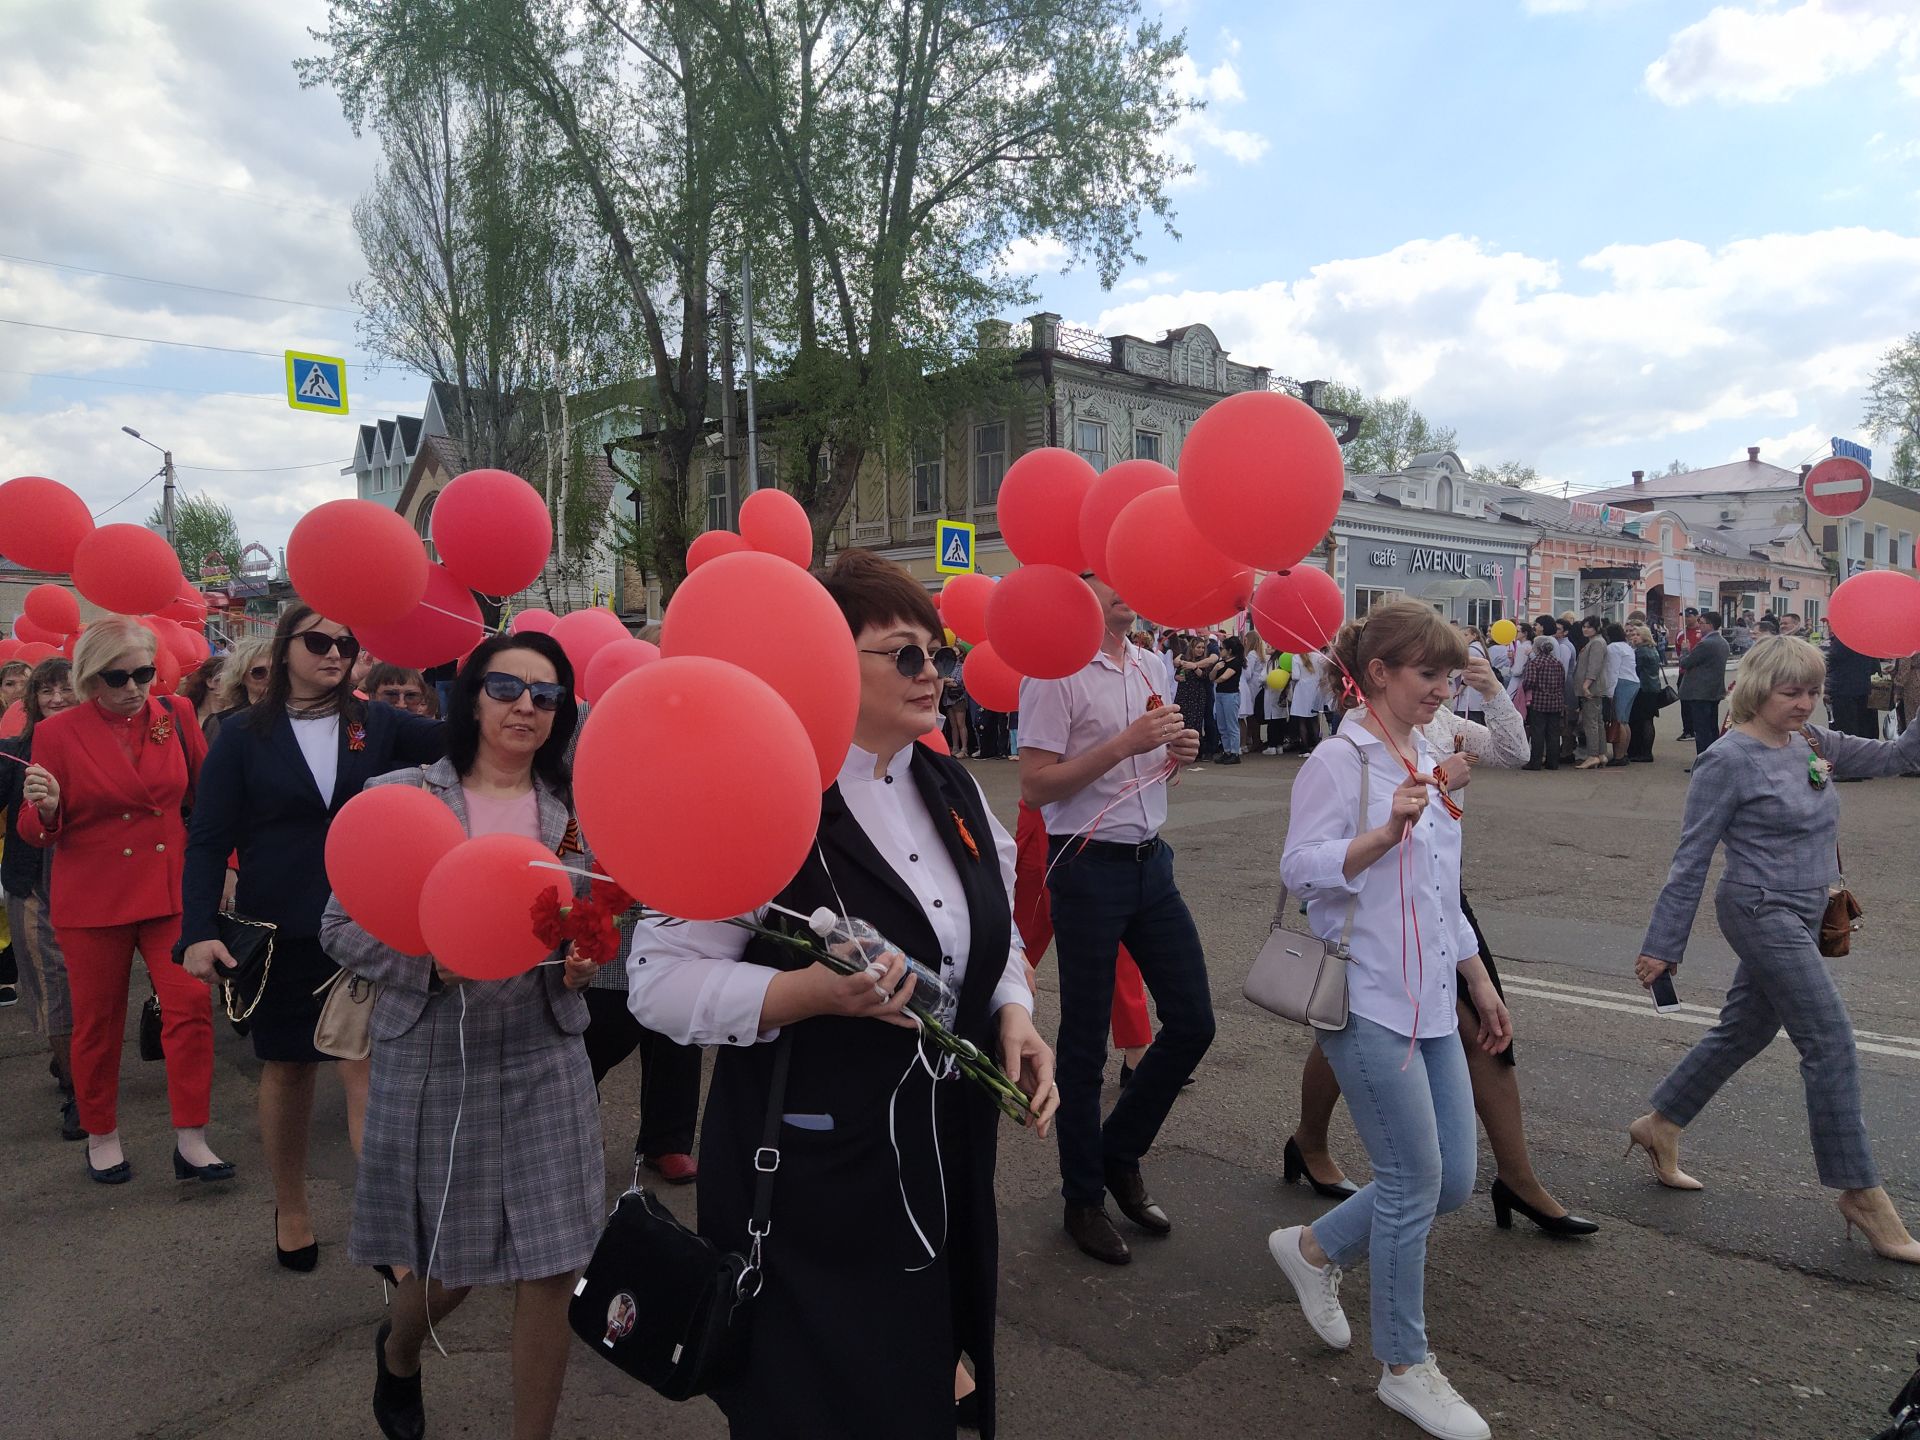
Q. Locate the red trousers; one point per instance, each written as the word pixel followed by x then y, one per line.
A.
pixel 99 965
pixel 1033 914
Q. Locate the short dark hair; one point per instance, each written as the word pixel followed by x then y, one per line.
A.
pixel 463 706
pixel 1596 622
pixel 1711 619
pixel 51 671
pixel 385 674
pixel 1545 622
pixel 1615 631
pixel 872 591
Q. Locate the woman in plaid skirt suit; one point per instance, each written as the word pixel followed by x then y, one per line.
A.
pixel 1765 790
pixel 519 1196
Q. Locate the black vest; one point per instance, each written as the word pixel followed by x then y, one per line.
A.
pixel 844 1265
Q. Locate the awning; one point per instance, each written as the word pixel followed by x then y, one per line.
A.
pixel 1458 589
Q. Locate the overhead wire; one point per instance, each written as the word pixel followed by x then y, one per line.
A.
pixel 250 197
pixel 367 365
pixel 179 284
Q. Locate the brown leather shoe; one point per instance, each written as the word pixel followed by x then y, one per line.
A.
pixel 1129 1192
pixel 1093 1232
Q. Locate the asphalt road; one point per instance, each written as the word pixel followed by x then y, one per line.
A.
pixel 155 1310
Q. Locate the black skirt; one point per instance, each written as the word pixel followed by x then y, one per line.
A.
pixel 1493 973
pixel 282 1024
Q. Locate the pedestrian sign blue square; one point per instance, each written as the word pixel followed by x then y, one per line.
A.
pixel 317 382
pixel 953 547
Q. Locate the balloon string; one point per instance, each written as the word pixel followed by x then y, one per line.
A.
pixel 481 626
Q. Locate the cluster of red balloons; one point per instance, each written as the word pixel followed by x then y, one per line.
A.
pixel 1877 612
pixel 772 522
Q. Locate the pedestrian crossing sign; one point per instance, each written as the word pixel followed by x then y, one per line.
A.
pixel 953 547
pixel 317 382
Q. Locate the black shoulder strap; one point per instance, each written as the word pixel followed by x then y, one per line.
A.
pixel 766 1160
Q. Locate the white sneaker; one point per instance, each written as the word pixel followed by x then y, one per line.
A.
pixel 1316 1286
pixel 1271 750
pixel 1425 1397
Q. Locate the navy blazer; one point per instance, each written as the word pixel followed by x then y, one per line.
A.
pixel 257 796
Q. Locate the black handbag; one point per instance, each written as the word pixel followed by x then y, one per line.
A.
pixel 250 943
pixel 150 1046
pixel 667 1305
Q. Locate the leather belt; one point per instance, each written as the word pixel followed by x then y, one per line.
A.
pixel 1136 854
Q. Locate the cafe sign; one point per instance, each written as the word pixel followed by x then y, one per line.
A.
pixel 1422 560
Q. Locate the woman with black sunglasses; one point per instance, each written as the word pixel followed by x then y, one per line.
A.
pixel 274 780
pixel 242 683
pixel 497 1065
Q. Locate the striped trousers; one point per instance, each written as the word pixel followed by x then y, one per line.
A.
pixel 1782 980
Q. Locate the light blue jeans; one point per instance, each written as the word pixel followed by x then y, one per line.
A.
pixel 1226 718
pixel 1417 1125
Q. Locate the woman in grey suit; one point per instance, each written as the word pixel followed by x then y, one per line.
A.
pixel 496 1066
pixel 1765 791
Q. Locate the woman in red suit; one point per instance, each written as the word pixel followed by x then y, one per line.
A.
pixel 105 790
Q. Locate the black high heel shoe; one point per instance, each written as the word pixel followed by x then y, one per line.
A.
pixel 398 1408
pixel 1294 1168
pixel 1505 1202
pixel 302 1259
pixel 206 1174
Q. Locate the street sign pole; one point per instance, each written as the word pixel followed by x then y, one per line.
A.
pixel 166 501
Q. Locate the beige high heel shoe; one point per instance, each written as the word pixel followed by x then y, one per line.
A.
pixel 1872 1212
pixel 1665 1159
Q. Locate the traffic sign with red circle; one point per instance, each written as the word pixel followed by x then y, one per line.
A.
pixel 1838 486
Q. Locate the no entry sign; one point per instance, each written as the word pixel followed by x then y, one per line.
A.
pixel 1838 486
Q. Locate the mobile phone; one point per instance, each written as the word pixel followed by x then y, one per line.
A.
pixel 1665 997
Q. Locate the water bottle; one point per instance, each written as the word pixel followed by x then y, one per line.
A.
pixel 854 939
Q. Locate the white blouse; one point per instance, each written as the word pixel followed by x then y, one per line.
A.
pixel 689 983
pixel 1391 896
pixel 319 739
pixel 1621 666
pixel 1501 741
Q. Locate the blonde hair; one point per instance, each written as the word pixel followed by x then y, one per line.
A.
pixel 1775 661
pixel 103 642
pixel 1397 634
pixel 1638 634
pixel 232 693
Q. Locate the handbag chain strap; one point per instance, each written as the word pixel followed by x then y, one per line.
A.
pixel 266 971
pixel 1346 930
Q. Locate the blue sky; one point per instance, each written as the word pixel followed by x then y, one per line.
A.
pixel 1591 236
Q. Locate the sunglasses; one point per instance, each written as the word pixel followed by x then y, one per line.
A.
pixel 909 660
pixel 259 672
pixel 319 644
pixel 114 679
pixel 547 694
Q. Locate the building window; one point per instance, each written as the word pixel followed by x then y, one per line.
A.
pixel 1482 613
pixel 1903 552
pixel 989 462
pixel 1365 598
pixel 1090 442
pixel 1869 539
pixel 424 524
pixel 1566 593
pixel 929 477
pixel 1778 604
pixel 1704 600
pixel 1813 614
pixel 1146 444
pixel 719 512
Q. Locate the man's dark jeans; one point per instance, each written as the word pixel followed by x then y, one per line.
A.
pixel 1702 717
pixel 1099 900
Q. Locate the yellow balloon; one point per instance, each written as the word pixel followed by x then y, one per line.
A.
pixel 1276 679
pixel 951 637
pixel 1504 632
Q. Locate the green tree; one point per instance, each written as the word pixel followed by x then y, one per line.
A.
pixel 1893 397
pixel 1906 464
pixel 202 527
pixel 1677 467
pixel 1392 432
pixel 1512 473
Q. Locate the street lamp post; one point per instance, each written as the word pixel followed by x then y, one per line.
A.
pixel 166 502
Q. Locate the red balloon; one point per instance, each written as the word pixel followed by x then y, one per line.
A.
pixel 1167 571
pixel 611 661
pixel 710 543
pixel 773 521
pixel 34 651
pixel 492 531
pixel 718 612
pixel 357 563
pixel 721 753
pixel 1043 621
pixel 1298 609
pixel 9 649
pixel 189 607
pixel 540 622
pixel 54 608
pixel 198 644
pixel 1109 494
pixel 1877 612
pixel 378 882
pixel 582 633
pixel 13 720
pixel 963 605
pixel 445 624
pixel 176 642
pixel 128 569
pixel 990 681
pixel 476 907
pixel 1039 507
pixel 936 741
pixel 42 522
pixel 27 629
pixel 1261 475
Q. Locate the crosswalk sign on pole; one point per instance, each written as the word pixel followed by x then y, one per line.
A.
pixel 953 547
pixel 317 382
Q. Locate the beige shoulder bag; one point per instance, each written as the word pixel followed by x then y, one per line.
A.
pixel 1301 977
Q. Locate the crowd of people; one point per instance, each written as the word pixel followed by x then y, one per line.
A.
pixel 155 825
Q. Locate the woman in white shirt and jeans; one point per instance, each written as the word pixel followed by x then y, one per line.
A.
pixel 1400 1059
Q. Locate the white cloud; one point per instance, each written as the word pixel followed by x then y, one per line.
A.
pixel 1631 344
pixel 1199 131
pixel 1744 55
pixel 1144 284
pixel 1034 254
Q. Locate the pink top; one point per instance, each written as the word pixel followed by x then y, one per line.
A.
pixel 1069 717
pixel 503 815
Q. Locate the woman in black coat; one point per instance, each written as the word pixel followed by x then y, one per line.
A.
pixel 882 1262
pixel 277 775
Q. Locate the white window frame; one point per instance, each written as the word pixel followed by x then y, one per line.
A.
pixel 1813 613
pixel 930 477
pixel 1903 558
pixel 722 517
pixel 1704 600
pixel 1365 597
pixel 1565 594
pixel 423 524
pixel 1778 604
pixel 1093 449
pixel 989 465
pixel 1158 447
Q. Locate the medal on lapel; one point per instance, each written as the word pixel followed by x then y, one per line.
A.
pixel 162 730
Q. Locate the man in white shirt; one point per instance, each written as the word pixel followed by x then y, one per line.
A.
pixel 1096 750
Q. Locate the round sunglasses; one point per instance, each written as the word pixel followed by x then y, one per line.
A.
pixel 115 679
pixel 546 694
pixel 910 660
